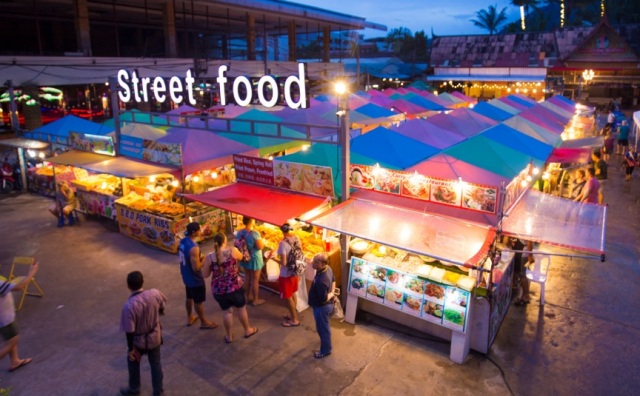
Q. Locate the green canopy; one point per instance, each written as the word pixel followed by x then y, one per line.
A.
pixel 492 156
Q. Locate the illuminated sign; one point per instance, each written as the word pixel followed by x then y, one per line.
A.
pixel 92 143
pixel 268 89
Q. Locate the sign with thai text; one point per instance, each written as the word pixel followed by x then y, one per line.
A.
pixel 253 169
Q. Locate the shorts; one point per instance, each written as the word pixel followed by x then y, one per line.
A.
pixel 198 294
pixel 9 331
pixel 623 142
pixel 234 299
pixel 288 286
pixel 253 265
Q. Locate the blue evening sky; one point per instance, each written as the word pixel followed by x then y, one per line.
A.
pixel 448 17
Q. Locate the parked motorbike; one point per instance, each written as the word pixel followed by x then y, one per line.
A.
pixel 8 182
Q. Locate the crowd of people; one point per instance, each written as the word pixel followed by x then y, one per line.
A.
pixel 140 318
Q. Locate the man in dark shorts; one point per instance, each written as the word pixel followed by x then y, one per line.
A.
pixel 623 138
pixel 191 261
pixel 8 328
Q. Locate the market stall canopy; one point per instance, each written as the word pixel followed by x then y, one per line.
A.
pixel 385 145
pixel 24 143
pixel 534 130
pixel 490 111
pixel 490 155
pixel 76 158
pixel 557 221
pixel 503 106
pixel 451 98
pixel 558 109
pixel 271 205
pixel 142 131
pixel 464 97
pixel 407 107
pixel 421 101
pixel 426 132
pixel 370 111
pixel 464 122
pixel 127 167
pixel 62 127
pixel 548 124
pixel 382 100
pixel 545 112
pixel 522 99
pixel 519 141
pixel 446 167
pixel 512 103
pixel 570 155
pixel 440 237
pixel 204 149
pixel 588 142
pixel 562 102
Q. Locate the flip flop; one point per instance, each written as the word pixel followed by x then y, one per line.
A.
pixel 290 324
pixel 286 317
pixel 251 334
pixel 320 355
pixel 258 302
pixel 22 363
pixel 209 327
pixel 191 321
pixel 226 340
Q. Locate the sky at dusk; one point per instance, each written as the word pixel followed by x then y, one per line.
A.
pixel 446 17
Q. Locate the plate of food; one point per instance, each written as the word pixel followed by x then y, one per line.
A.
pixel 444 194
pixel 150 233
pixel 375 290
pixel 167 238
pixel 357 284
pixel 393 296
pixel 411 302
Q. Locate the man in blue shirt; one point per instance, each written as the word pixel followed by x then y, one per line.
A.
pixel 191 261
pixel 623 138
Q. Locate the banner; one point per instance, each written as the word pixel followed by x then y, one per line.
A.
pixel 253 169
pixel 456 193
pixel 151 150
pixel 310 179
pixel 92 143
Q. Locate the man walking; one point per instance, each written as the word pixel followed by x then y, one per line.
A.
pixel 140 320
pixel 191 261
pixel 8 328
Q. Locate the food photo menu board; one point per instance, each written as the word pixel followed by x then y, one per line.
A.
pixel 456 193
pixel 432 301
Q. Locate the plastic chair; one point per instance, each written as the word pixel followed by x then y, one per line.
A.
pixel 539 272
pixel 25 261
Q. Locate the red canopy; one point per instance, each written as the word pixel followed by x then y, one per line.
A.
pixel 271 205
pixel 570 155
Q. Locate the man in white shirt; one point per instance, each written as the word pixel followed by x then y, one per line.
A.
pixel 8 328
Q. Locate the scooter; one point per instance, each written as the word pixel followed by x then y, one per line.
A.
pixel 8 182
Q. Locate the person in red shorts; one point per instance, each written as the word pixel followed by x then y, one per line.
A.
pixel 288 281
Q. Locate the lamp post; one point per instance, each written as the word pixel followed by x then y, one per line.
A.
pixel 344 137
pixel 587 76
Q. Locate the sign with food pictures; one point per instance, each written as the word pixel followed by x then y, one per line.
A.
pixel 431 301
pixel 253 169
pixel 151 150
pixel 162 232
pixel 445 192
pixel 310 179
pixel 479 198
pixel 92 143
pixel 97 204
pixel 415 186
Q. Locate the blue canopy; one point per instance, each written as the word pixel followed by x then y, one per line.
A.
pixel 385 145
pixel 71 123
pixel 523 101
pixel 491 111
pixel 374 111
pixel 519 141
pixel 420 101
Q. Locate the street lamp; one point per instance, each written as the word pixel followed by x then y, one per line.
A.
pixel 342 93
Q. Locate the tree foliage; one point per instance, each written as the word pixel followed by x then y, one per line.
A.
pixel 406 45
pixel 490 19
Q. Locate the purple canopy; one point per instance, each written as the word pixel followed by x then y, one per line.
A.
pixel 426 132
pixel 462 121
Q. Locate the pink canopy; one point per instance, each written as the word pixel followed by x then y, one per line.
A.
pixel 514 104
pixel 426 132
pixel 465 122
pixel 382 100
pixel 204 149
pixel 463 97
pixel 570 155
pixel 406 107
pixel 446 167
pixel 561 103
pixel 550 124
pixel 434 98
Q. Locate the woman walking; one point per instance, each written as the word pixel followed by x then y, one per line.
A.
pixel 253 267
pixel 226 285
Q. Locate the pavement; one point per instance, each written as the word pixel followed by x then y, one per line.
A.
pixel 583 341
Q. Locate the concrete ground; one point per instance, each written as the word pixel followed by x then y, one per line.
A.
pixel 584 341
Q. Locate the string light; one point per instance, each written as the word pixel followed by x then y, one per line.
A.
pixel 562 14
pixel 523 25
pixel 602 8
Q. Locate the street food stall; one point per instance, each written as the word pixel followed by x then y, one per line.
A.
pixel 274 192
pixel 43 183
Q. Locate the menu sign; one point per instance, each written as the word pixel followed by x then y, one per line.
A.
pixel 310 179
pixel 151 150
pixel 432 301
pixel 413 185
pixel 92 143
pixel 253 169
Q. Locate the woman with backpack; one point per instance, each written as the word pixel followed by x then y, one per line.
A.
pixel 226 285
pixel 289 251
pixel 253 266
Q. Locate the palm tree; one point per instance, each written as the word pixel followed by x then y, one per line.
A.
pixel 524 5
pixel 490 18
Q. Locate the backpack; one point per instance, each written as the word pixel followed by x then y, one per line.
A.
pixel 241 244
pixel 295 259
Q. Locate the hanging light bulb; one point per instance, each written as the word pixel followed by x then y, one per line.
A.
pixel 175 183
pixel 152 179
